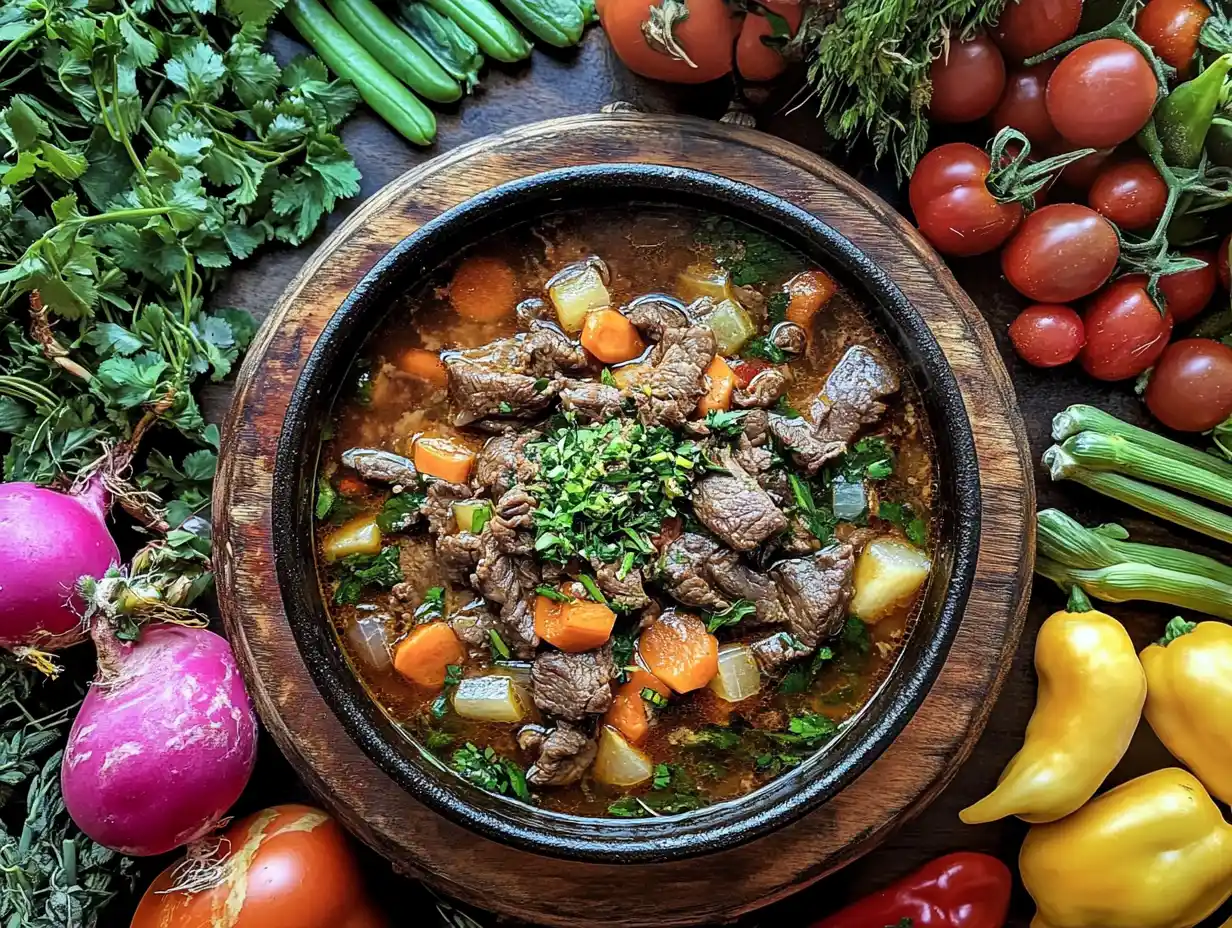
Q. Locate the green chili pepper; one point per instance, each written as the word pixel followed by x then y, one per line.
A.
pixel 1184 117
pixel 1219 141
pixel 557 22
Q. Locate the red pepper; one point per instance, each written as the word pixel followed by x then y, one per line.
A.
pixel 963 890
pixel 746 370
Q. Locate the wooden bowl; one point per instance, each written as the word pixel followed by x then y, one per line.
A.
pixel 402 800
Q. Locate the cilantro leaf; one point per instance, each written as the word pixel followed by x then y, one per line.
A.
pixel 361 571
pixel 732 615
pixel 490 771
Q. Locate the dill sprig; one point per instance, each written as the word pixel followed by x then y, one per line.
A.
pixel 868 67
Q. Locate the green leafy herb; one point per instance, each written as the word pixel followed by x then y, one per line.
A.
pixel 726 422
pixel 714 737
pixel 399 512
pixel 762 349
pixel 490 771
pixel 805 734
pixel 750 256
pixel 732 615
pixel 662 776
pixel 440 705
pixel 818 520
pixel 505 406
pixel 623 646
pixel 432 607
pixel 869 458
pixel 855 636
pixel 800 678
pixel 500 650
pixel 605 377
pixel 326 497
pixel 776 306
pixel 436 740
pixel 654 697
pixel 672 792
pixel 360 571
pixel 785 409
pixel 902 515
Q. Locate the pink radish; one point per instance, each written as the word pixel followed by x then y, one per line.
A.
pixel 164 742
pixel 49 540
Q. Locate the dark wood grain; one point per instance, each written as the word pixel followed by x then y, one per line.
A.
pixel 911 772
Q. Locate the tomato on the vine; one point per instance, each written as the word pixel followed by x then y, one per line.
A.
pixel 952 203
pixel 967 80
pixel 1101 93
pixel 1188 292
pixel 1130 193
pixel 1081 174
pixel 1022 105
pixel 1060 253
pixel 1125 330
pixel 690 45
pixel 1047 334
pixel 1171 28
pixel 1191 387
pixel 1028 27
pixel 755 60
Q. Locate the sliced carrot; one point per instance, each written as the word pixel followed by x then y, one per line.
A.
pixel 630 713
pixel 576 626
pixel 611 337
pixel 807 292
pixel 679 651
pixel 423 365
pixel 484 289
pixel 439 457
pixel 424 656
pixel 720 381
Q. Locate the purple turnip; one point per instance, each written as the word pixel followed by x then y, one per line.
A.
pixel 164 742
pixel 49 540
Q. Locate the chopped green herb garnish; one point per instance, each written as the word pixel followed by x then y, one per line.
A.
pixel 440 705
pixel 592 588
pixel 623 645
pixel 855 636
pixel 750 256
pixel 399 512
pixel 605 377
pixel 818 520
pixel 732 615
pixel 500 650
pixel 654 697
pixel 902 515
pixel 481 516
pixel 437 739
pixel 763 349
pixel 776 306
pixel 672 792
pixel 490 771
pixel 327 496
pixel 805 734
pixel 715 737
pixel 363 386
pixel 553 594
pixel 505 406
pixel 542 384
pixel 726 422
pixel 869 458
pixel 803 674
pixel 662 776
pixel 432 607
pixel 360 571
pixel 785 409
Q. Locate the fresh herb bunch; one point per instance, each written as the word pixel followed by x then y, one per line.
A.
pixel 868 64
pixel 490 771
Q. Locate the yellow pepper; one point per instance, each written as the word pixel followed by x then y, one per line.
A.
pixel 1091 690
pixel 1189 699
pixel 1152 853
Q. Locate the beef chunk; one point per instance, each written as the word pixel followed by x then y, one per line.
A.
pixel 511 522
pixel 549 351
pixel 459 555
pixel 496 466
pixel 799 438
pixel 480 393
pixel 627 591
pixel 593 402
pixel 534 310
pixel 777 650
pixel 417 560
pixel 851 397
pixel 685 567
pixel 656 314
pixel 473 622
pixel 572 686
pixel 560 755
pixel 789 338
pixel 437 506
pixel 762 392
pixel 735 507
pixel 670 391
pixel 518 624
pixel 381 466
pixel 815 592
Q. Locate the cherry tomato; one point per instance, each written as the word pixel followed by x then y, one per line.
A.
pixel 953 206
pixel 1047 334
pixel 1101 93
pixel 755 60
pixel 1130 193
pixel 746 369
pixel 706 36
pixel 1081 174
pixel 1022 105
pixel 1125 331
pixel 1060 253
pixel 1188 292
pixel 1028 27
pixel 1171 28
pixel 967 81
pixel 292 867
pixel 1225 276
pixel 1191 386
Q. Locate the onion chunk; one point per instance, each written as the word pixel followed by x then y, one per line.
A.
pixel 887 572
pixel 619 763
pixel 738 677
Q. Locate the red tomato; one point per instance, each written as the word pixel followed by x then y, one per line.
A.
pixel 1225 276
pixel 746 370
pixel 1130 193
pixel 1022 105
pixel 1188 292
pixel 1061 252
pixel 1081 174
pixel 291 866
pixel 1028 27
pixel 1171 28
pixel 1047 334
pixel 953 206
pixel 755 60
pixel 1101 93
pixel 1191 387
pixel 1125 331
pixel 967 81
pixel 706 36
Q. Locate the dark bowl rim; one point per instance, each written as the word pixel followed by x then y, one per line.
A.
pixel 713 828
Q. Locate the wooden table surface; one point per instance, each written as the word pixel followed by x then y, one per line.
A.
pixel 581 81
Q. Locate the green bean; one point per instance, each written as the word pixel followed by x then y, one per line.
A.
pixel 397 52
pixel 443 39
pixel 404 111
pixel 484 23
pixel 557 22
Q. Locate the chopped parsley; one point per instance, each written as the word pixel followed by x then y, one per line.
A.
pixel 399 512
pixel 440 705
pixel 359 571
pixel 605 377
pixel 776 306
pixel 730 616
pixel 490 771
pixel 750 256
pixel 327 496
pixel 855 636
pixel 623 646
pixel 726 422
pixel 505 406
pixel 785 409
pixel 500 650
pixel 786 749
pixel 868 459
pixel 817 519
pixel 763 349
pixel 432 607
pixel 902 515
pixel 672 792
pixel 804 673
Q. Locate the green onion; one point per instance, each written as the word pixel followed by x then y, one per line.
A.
pixel 555 595
pixel 654 697
pixel 592 588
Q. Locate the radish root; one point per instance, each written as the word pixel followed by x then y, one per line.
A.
pixel 203 868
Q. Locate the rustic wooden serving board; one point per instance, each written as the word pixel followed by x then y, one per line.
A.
pixel 547 891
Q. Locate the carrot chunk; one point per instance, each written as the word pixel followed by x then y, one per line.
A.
pixel 423 365
pixel 630 713
pixel 720 381
pixel 611 337
pixel 807 292
pixel 425 654
pixel 576 626
pixel 441 458
pixel 679 651
pixel 484 289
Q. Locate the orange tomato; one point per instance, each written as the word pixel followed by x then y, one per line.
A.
pixel 659 41
pixel 290 866
pixel 755 60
